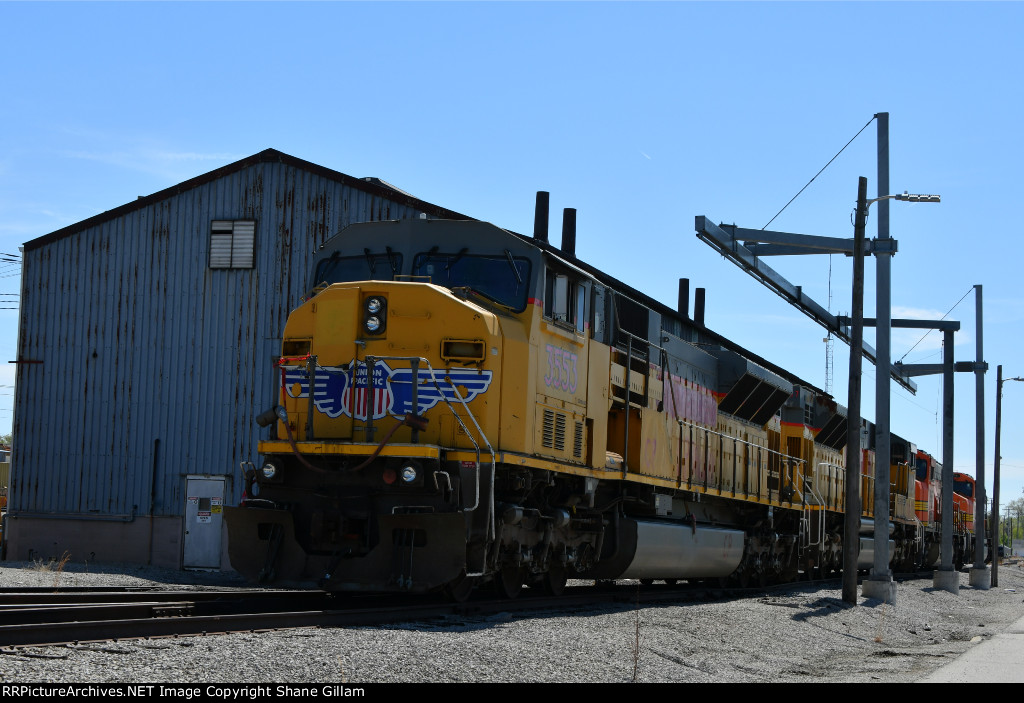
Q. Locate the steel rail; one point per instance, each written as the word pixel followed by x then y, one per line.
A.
pixel 376 610
pixel 15 597
pixel 181 620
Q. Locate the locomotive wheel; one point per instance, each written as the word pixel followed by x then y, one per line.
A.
pixel 554 580
pixel 671 582
pixel 509 581
pixel 460 589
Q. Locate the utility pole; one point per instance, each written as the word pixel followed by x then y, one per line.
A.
pixel 851 531
pixel 978 576
pixel 946 577
pixel 996 537
pixel 880 584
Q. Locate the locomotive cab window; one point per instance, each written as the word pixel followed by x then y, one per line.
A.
pixel 368 267
pixel 502 278
pixel 964 488
pixel 922 469
pixel 565 300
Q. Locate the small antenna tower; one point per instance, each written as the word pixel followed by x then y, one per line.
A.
pixel 828 362
pixel 829 340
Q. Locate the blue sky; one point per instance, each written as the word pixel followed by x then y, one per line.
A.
pixel 640 115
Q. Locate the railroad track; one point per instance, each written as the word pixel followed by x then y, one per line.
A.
pixel 46 616
pixel 37 617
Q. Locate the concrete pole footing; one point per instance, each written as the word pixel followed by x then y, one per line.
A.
pixel 881 589
pixel 981 578
pixel 947 581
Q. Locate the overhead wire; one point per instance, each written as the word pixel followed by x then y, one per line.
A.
pixel 941 318
pixel 828 347
pixel 820 172
pixel 897 394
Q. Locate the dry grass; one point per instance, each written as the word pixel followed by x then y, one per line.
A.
pixel 881 621
pixel 635 648
pixel 55 565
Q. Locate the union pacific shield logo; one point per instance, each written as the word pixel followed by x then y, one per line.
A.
pixel 371 399
pixel 346 391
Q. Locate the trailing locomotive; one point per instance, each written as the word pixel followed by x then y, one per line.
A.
pixel 462 405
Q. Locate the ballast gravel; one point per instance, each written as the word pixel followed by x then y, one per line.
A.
pixel 801 633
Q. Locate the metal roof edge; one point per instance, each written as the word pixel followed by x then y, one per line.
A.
pixel 265 156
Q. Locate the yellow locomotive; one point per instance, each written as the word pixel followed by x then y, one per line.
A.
pixel 462 405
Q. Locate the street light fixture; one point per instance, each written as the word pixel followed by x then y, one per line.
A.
pixel 912 198
pixel 907 197
pixel 995 478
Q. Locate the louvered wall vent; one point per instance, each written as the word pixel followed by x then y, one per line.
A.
pixel 232 244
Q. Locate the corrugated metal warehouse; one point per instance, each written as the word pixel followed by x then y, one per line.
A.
pixel 145 352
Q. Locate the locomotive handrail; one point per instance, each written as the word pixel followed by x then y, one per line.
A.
pixel 867 509
pixel 829 500
pixel 791 463
pixel 641 339
pixel 492 529
pixel 759 462
pixel 629 372
pixel 414 361
pixel 807 511
pixel 483 436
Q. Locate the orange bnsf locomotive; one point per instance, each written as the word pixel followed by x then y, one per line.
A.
pixel 461 405
pixel 928 509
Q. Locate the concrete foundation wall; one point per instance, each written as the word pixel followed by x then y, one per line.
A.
pixel 145 540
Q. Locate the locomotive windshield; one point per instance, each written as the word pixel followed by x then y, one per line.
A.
pixel 502 277
pixel 964 488
pixel 922 469
pixel 368 267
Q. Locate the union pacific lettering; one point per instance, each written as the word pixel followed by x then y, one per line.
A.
pixel 691 402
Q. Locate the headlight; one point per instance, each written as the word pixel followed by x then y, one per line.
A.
pixel 269 471
pixel 375 311
pixel 409 473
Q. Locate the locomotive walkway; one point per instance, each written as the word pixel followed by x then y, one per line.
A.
pixel 996 660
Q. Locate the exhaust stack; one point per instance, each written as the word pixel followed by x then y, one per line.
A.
pixel 569 231
pixel 698 307
pixel 540 216
pixel 683 306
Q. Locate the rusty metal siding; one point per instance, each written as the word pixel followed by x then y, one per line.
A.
pixel 154 365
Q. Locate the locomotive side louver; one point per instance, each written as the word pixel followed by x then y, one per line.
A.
pixel 561 435
pixel 553 431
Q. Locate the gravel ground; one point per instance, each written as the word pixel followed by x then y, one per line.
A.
pixel 800 634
